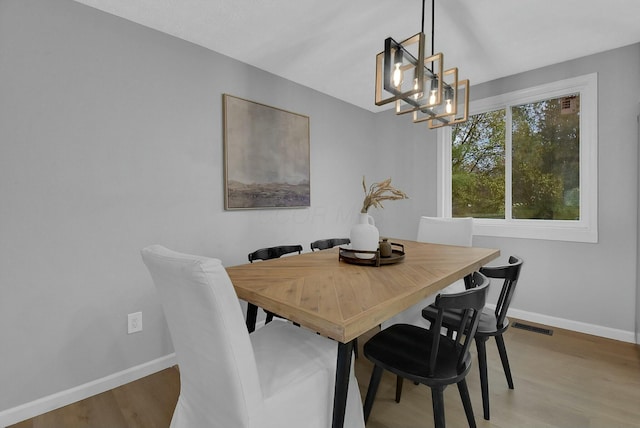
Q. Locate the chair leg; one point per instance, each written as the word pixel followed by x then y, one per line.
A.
pixel 482 367
pixel 355 347
pixel 437 398
pixel 502 349
pixel 269 318
pixel 374 382
pixel 399 380
pixel 466 402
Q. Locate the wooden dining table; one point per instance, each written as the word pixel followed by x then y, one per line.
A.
pixel 342 300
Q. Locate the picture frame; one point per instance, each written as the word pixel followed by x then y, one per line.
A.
pixel 266 156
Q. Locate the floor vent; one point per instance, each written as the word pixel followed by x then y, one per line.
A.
pixel 528 327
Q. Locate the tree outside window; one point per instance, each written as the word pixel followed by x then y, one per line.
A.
pixel 519 162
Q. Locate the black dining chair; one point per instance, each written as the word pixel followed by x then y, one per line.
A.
pixel 273 253
pixel 323 244
pixel 426 356
pixel 493 323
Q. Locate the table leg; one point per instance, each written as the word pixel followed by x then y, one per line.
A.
pixel 343 371
pixel 252 314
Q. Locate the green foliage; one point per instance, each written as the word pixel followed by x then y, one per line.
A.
pixel 478 166
pixel 545 163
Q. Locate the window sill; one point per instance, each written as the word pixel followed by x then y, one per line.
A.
pixel 571 231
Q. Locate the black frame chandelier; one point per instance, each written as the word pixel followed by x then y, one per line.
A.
pixel 419 84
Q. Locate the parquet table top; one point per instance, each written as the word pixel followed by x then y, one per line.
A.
pixel 342 300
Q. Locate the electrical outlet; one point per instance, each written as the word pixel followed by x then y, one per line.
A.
pixel 134 322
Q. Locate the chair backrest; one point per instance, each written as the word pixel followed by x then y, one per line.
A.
pixel 219 384
pixel 510 273
pixel 274 252
pixel 323 244
pixel 470 302
pixel 448 231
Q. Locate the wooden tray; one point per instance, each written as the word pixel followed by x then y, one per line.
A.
pixel 349 255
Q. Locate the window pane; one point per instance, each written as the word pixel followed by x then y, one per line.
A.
pixel 477 154
pixel 546 159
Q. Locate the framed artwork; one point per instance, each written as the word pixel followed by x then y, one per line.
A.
pixel 266 156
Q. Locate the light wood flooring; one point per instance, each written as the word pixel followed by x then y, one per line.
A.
pixel 567 380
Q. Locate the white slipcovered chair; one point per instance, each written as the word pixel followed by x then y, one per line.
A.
pixel 447 231
pixel 436 230
pixel 279 376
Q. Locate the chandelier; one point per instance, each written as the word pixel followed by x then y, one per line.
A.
pixel 419 84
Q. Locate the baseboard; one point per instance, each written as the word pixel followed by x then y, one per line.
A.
pixel 581 327
pixel 80 392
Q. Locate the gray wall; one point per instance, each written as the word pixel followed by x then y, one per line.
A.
pixel 111 139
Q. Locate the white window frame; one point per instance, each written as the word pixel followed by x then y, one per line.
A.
pixel 583 230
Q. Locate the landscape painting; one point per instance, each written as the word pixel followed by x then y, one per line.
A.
pixel 266 156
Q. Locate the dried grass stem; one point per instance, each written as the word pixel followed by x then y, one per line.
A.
pixel 379 192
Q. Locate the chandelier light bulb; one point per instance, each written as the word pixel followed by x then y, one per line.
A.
pixel 448 97
pixel 397 76
pixel 432 97
pixel 448 107
pixel 417 95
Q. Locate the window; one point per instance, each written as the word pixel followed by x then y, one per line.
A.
pixel 525 163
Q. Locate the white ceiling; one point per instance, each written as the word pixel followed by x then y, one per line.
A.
pixel 330 45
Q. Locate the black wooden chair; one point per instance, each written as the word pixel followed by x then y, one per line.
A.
pixel 273 253
pixel 427 356
pixel 323 244
pixel 492 323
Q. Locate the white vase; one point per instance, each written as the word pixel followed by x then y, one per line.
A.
pixel 364 236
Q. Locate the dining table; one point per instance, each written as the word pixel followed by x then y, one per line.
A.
pixel 343 297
